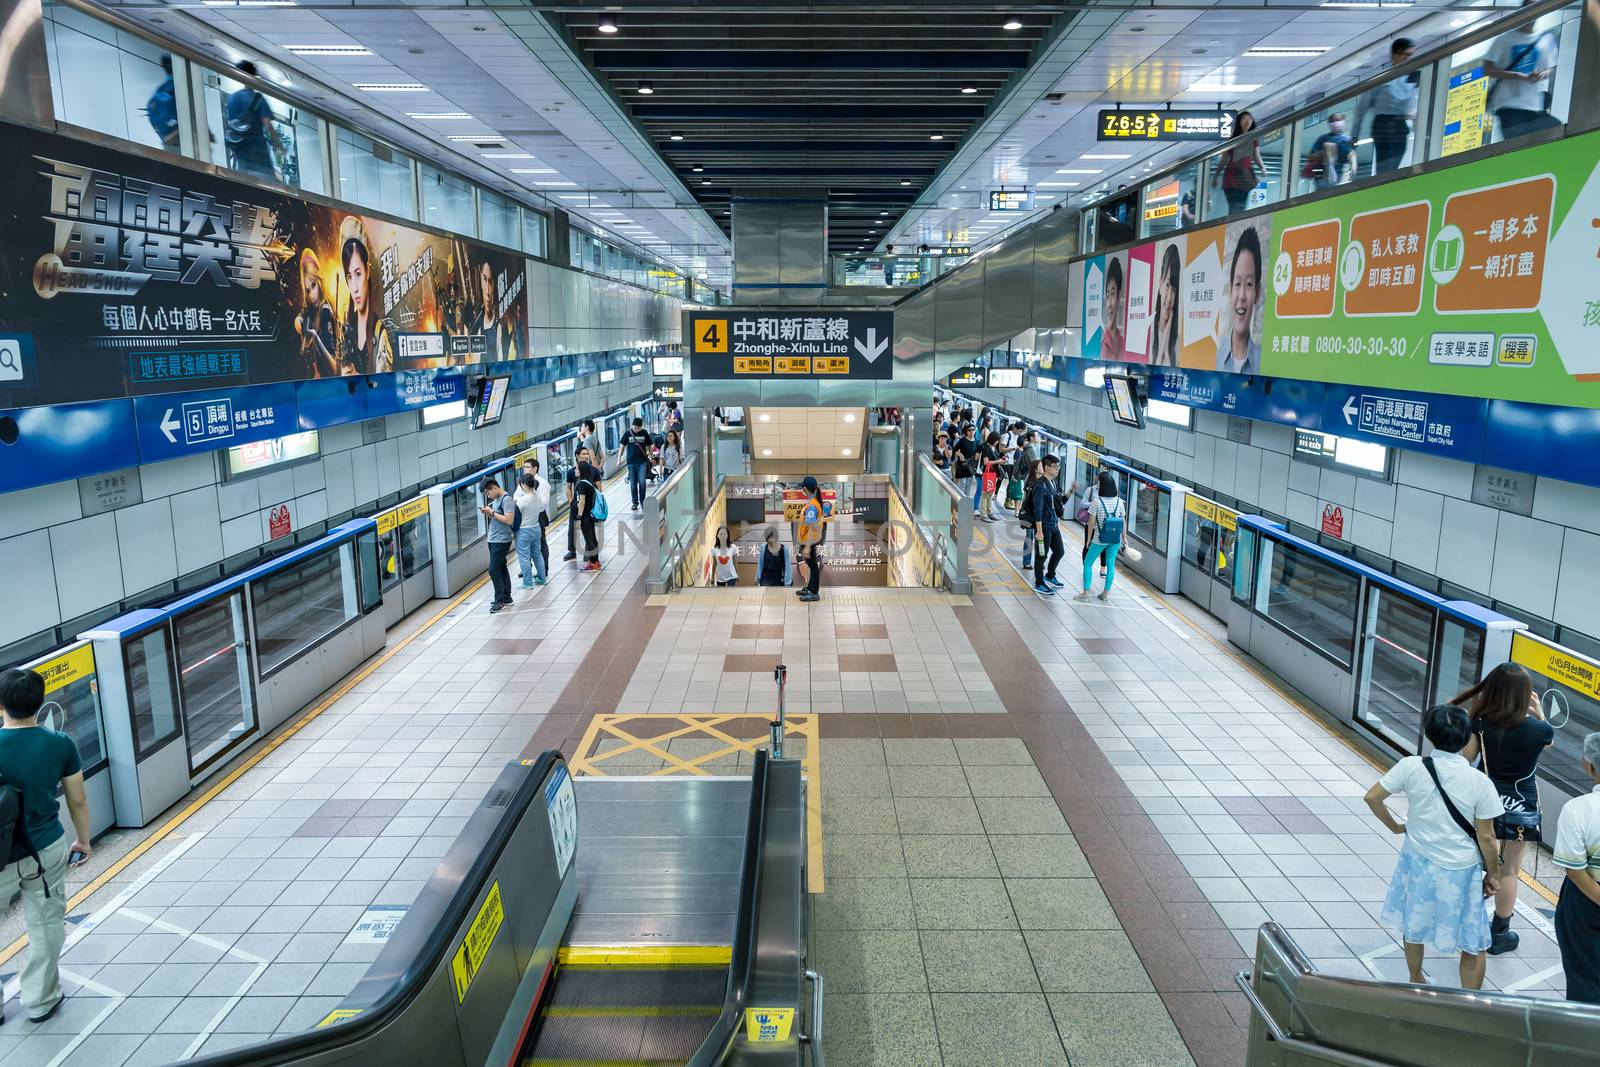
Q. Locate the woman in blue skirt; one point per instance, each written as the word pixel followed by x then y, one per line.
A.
pixel 1449 863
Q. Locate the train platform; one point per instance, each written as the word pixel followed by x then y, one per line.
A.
pixel 1045 832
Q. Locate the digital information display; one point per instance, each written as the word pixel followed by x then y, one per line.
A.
pixel 274 452
pixel 1121 393
pixel 491 401
pixel 967 378
pixel 1150 125
pixel 1005 377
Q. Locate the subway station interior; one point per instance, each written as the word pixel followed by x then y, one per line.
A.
pixel 549 533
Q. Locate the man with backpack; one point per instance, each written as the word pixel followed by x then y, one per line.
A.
pixel 250 135
pixel 162 107
pixel 589 506
pixel 34 761
pixel 1043 513
pixel 809 534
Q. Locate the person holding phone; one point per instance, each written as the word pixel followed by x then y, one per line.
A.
pixel 34 761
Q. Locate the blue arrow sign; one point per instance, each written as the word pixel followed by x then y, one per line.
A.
pixel 181 424
pixel 1450 426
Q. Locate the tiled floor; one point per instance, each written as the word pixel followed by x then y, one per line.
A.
pixel 1050 828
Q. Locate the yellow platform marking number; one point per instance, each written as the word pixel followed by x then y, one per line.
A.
pixel 475 946
pixel 711 335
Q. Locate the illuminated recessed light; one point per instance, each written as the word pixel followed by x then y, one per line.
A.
pixel 706 182
pixel 1106 155
pixel 1214 88
pixel 1080 170
pixel 608 24
pixel 1271 52
pixel 477 138
pixel 766 451
pixel 764 417
pixel 645 89
pixel 391 87
pixel 698 169
pixel 844 451
pixel 968 90
pixel 905 183
pixel 1059 185
pixel 850 416
pixel 1012 23
pixel 507 155
pixel 438 116
pixel 327 50
pixel 677 135
pixel 935 136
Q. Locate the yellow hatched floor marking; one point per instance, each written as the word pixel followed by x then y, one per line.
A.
pixel 644 955
pixel 730 730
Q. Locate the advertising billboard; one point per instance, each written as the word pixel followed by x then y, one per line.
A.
pixel 127 276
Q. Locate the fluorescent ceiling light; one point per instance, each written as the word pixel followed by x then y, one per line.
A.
pixel 438 116
pixel 507 155
pixel 645 89
pixel 477 137
pixel 608 24
pixel 1220 88
pixel 573 196
pixel 1106 155
pixel 391 87
pixel 532 170
pixel 1273 52
pixel 968 90
pixel 1012 23
pixel 1059 185
pixel 1080 170
pixel 327 50
pixel 556 185
pixel 935 136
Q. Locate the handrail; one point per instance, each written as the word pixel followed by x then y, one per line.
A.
pixel 404 992
pixel 725 1031
pixel 1295 1044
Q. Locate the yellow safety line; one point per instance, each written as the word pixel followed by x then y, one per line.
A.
pixel 1295 702
pixel 643 955
pixel 635 1011
pixel 255 757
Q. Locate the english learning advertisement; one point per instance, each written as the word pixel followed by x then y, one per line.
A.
pixel 1479 280
pixel 126 276
pixel 1136 344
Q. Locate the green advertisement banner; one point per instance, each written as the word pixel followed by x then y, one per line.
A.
pixel 1479 280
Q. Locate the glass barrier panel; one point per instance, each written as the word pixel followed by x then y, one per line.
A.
pixel 1244 569
pixel 532 232
pixel 152 690
pixel 1199 542
pixel 1384 124
pixel 108 81
pixel 557 465
pixel 1246 176
pixel 1309 597
pixel 447 201
pixel 1171 202
pixel 463 522
pixel 1396 645
pixel 1514 86
pixel 296 607
pixel 1328 152
pixel 497 219
pixel 1458 663
pixel 253 133
pixel 375 175
pixel 1227 540
pixel 367 558
pixel 72 702
pixel 214 673
pixel 1565 682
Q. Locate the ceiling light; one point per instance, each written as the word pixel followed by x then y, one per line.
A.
pixel 1211 88
pixel 1106 155
pixel 555 185
pixel 698 169
pixel 1272 52
pixel 850 416
pixel 677 135
pixel 844 451
pixel 1059 185
pixel 608 24
pixel 507 155
pixel 437 116
pixel 391 87
pixel 477 138
pixel 706 181
pixel 905 183
pixel 1012 23
pixel 935 136
pixel 327 50
pixel 1080 170
pixel 532 170
pixel 764 417
pixel 968 90
pixel 645 89
pixel 766 451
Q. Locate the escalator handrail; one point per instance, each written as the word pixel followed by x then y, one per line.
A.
pixel 438 945
pixel 740 966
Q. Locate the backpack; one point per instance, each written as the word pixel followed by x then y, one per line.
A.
pixel 1109 530
pixel 601 510
pixel 162 110
pixel 14 840
pixel 1025 507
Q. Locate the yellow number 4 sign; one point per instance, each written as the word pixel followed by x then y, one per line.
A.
pixel 711 335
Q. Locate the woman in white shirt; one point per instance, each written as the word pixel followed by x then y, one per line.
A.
pixel 724 557
pixel 1577 849
pixel 533 501
pixel 1449 862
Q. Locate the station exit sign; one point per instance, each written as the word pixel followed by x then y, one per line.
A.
pixel 1159 125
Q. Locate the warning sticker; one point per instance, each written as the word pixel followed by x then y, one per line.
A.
pixel 562 806
pixel 475 946
pixel 339 1015
pixel 768 1024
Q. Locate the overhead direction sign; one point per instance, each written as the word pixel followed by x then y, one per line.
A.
pixel 1155 124
pixel 786 342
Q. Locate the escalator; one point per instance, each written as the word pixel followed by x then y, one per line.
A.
pixel 599 922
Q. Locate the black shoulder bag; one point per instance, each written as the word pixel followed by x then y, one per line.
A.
pixel 1449 805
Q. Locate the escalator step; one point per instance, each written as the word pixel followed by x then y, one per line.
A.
pixel 625 987
pixel 634 1016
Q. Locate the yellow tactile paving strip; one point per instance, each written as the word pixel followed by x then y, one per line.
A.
pixel 743 733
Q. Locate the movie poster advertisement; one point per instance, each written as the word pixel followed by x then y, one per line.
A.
pixel 122 276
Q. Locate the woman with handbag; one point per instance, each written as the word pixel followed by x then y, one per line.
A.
pixel 1447 865
pixel 1509 732
pixel 992 457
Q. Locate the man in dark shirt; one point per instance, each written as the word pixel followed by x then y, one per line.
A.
pixel 249 128
pixel 636 446
pixel 965 458
pixel 35 760
pixel 1046 529
pixel 580 458
pixel 584 489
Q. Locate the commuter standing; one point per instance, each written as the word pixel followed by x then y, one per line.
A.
pixel 1509 732
pixel 964 460
pixel 501 513
pixel 1025 512
pixel 724 559
pixel 1043 510
pixel 1521 62
pixel 1391 106
pixel 1577 849
pixel 671 453
pixel 580 458
pixel 1108 519
pixel 774 570
pixel 586 494
pixel 810 532
pixel 1332 155
pixel 531 466
pixel 533 504
pixel 991 456
pixel 250 128
pixel 1447 865
pixel 34 762
pixel 162 107
pixel 636 450
pixel 1238 171
pixel 590 438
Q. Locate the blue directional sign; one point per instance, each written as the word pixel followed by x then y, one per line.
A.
pixel 1449 426
pixel 181 424
pixel 424 388
pixel 1201 389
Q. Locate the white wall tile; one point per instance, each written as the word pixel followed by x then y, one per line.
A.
pixel 37 508
pixel 1526 562
pixel 146 544
pixel 1443 476
pixel 1274 492
pixel 178 475
pixel 274 487
pixel 1375 498
pixel 239 497
pixel 1567 504
pixel 1272 437
pixel 1247 473
pixel 1305 477
pixel 79 550
pixel 241 534
pixel 197 528
pixel 1298 507
pixel 310 509
pixel 338 482
pixel 27 572
pixel 364 470
pixel 339 438
pixel 1337 487
pixel 388 461
pixel 1466 543
pixel 1368 531
pixel 1416 527
pixel 1577 604
pixel 308 478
